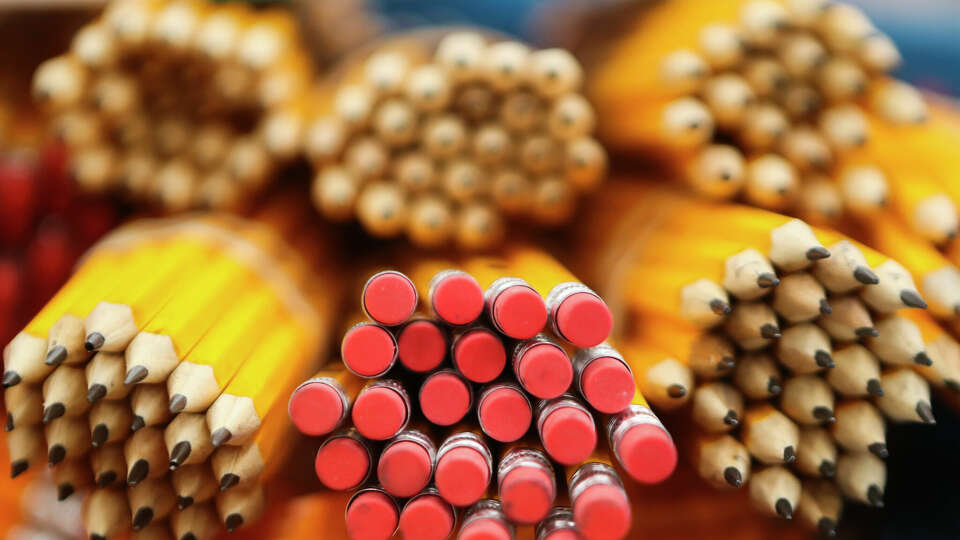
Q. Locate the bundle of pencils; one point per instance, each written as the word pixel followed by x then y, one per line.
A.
pixel 440 138
pixel 172 103
pixel 778 103
pixel 786 350
pixel 480 399
pixel 157 376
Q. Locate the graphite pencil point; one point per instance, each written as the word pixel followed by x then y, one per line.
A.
pixel 730 418
pixel 925 412
pixel 767 280
pixel 56 355
pixel 879 449
pixel 56 454
pixel 139 471
pixel 824 359
pixel 96 392
pixel 769 331
pixel 733 477
pixel 18 467
pixel 233 522
pixel 178 402
pixel 184 502
pixel 135 375
pixel 952 385
pixel 726 363
pixel 97 537
pixel 106 479
pixel 228 480
pixel 720 307
pixel 9 425
pixel 773 386
pixel 789 454
pixel 784 508
pixel 865 275
pixel 94 341
pixel 818 252
pixel 823 414
pixel 64 491
pixel 866 331
pixel 11 378
pixel 179 454
pixel 138 422
pixel 143 518
pixel 220 436
pixel 828 468
pixel 828 527
pixel 676 391
pixel 99 435
pixel 188 536
pixel 912 299
pixel 874 388
pixel 922 359
pixel 825 308
pixel 875 496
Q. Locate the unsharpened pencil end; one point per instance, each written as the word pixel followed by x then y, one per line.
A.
pixel 874 388
pixel 228 480
pixel 912 299
pixel 817 253
pixel 10 378
pixel 220 436
pixel 178 402
pixel 733 477
pixel 865 275
pixel 784 508
pixel 233 522
pixel 56 356
pixel 96 392
pixel 135 375
pixel 94 341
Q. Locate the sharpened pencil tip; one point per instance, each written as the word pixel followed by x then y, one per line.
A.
pixel 733 477
pixel 879 449
pixel 789 454
pixel 865 275
pixel 228 480
pixel 64 491
pixel 10 378
pixel 874 388
pixel 730 418
pixel 676 391
pixel 184 502
pixel 138 422
pixel 769 331
pixel 18 467
pixel 96 392
pixel 719 307
pixel 817 253
pixel 233 522
pixel 824 360
pixel 875 495
pixel 9 425
pixel 773 386
pixel 727 362
pixel 56 356
pixel 139 471
pixel 220 436
pixel 106 479
pixel 188 536
pixel 866 331
pixel 99 435
pixel 823 414
pixel 142 518
pixel 827 468
pixel 828 527
pixel 784 508
pixel 94 341
pixel 135 375
pixel 56 454
pixel 825 308
pixel 922 359
pixel 179 454
pixel 178 402
pixel 925 412
pixel 97 537
pixel 767 280
pixel 952 385
pixel 53 412
pixel 912 299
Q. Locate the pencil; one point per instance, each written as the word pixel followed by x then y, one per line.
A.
pixel 775 491
pixel 816 452
pixel 104 377
pixel 193 484
pixel 859 428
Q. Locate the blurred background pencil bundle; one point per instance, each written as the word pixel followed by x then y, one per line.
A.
pixel 442 135
pixel 499 383
pixel 786 350
pixel 168 102
pixel 139 379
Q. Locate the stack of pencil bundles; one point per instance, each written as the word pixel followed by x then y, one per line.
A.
pixel 788 348
pixel 143 378
pixel 491 397
pixel 169 102
pixel 439 138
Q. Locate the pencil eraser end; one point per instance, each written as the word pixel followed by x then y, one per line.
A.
pixel 584 319
pixel 520 312
pixel 647 453
pixel 607 385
